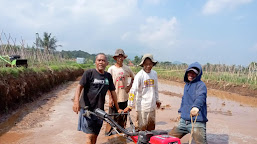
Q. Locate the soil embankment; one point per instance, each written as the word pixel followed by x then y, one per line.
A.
pixel 15 91
pixel 243 90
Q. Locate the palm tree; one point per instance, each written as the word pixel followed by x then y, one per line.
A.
pixel 47 43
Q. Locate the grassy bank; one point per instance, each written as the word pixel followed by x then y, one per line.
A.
pixel 220 77
pixel 16 71
pixel 236 83
pixel 20 85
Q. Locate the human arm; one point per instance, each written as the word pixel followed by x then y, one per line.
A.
pixel 131 75
pixel 132 94
pixel 127 89
pixel 158 102
pixel 110 99
pixel 109 92
pixel 130 101
pixel 78 93
pixel 201 95
pixel 76 105
pixel 112 94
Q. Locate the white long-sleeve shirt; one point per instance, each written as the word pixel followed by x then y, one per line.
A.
pixel 145 91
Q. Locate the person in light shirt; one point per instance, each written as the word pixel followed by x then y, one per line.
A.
pixel 120 74
pixel 145 92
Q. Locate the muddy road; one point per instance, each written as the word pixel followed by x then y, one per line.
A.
pixel 232 118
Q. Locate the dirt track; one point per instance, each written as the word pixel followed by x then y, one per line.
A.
pixel 51 119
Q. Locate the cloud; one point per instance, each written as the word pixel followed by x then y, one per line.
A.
pixel 158 32
pixel 153 1
pixel 109 11
pixel 125 35
pixel 33 15
pixel 216 6
pixel 66 19
pixel 39 14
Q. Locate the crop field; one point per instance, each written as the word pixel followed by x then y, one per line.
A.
pixel 40 60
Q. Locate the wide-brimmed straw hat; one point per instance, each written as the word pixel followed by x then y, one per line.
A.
pixel 119 52
pixel 150 56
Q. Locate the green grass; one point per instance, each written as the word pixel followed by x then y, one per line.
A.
pixel 222 77
pixel 16 71
pixel 11 71
pixel 232 79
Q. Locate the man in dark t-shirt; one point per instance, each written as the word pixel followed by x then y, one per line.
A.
pixel 96 82
pixel 95 88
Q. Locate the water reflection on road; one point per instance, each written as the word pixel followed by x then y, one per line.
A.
pixel 232 118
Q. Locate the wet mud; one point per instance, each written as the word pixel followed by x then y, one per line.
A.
pixel 51 119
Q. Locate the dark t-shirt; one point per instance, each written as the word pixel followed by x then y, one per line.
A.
pixel 95 88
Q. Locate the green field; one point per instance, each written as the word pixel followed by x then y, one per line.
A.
pixel 235 79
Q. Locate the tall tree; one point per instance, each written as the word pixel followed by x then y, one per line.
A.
pixel 47 43
pixel 136 60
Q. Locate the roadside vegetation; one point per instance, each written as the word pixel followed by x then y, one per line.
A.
pixel 219 75
pixel 45 69
pixel 41 56
pixel 43 59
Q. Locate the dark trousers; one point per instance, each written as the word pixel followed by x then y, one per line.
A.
pixel 184 127
pixel 121 119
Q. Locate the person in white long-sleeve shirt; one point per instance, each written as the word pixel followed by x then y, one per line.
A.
pixel 145 92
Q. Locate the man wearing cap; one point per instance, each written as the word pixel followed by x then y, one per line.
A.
pixel 193 105
pixel 120 74
pixel 145 91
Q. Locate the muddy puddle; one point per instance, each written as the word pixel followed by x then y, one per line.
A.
pixel 232 119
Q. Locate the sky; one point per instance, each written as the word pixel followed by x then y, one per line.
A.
pixel 206 31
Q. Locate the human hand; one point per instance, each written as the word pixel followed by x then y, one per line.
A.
pixel 194 111
pixel 127 89
pixel 158 103
pixel 127 109
pixel 76 106
pixel 179 116
pixel 120 111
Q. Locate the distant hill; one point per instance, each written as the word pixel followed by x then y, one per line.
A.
pixel 177 62
pixel 86 55
pixel 75 54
